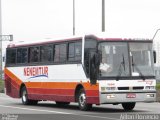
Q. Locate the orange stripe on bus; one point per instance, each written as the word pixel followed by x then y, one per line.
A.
pixel 12 76
pixel 61 85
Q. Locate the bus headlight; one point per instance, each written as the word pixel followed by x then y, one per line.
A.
pixel 104 89
pixel 150 95
pixel 110 88
pixel 149 87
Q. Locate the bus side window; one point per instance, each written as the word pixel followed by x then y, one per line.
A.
pixel 71 52
pixel 22 55
pixel 75 50
pixel 46 53
pixel 60 53
pixel 78 51
pixel 11 56
pixel 63 52
pixel 34 54
pixel 56 53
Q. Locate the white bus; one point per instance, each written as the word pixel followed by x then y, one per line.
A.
pixel 87 70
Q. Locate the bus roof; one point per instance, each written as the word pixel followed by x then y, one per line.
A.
pixel 75 38
pixel 102 37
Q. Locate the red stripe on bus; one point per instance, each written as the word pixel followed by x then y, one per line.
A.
pixel 51 91
pixel 60 91
pixel 51 97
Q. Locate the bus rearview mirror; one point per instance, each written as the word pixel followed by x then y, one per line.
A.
pixel 93 67
pixel 154 56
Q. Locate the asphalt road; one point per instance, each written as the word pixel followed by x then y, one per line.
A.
pixel 12 109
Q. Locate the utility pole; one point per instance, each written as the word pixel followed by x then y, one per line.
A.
pixel 2 38
pixel 103 15
pixel 0 20
pixel 0 43
pixel 73 17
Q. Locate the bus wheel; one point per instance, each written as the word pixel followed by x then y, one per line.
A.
pixel 128 106
pixel 62 103
pixel 25 99
pixel 82 101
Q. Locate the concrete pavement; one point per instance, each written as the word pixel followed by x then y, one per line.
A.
pixel 49 110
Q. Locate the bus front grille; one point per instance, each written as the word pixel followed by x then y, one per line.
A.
pixel 132 88
pixel 123 88
pixel 138 88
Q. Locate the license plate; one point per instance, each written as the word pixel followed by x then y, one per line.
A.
pixel 131 95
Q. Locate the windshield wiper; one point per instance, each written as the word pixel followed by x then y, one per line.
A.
pixel 138 70
pixel 120 70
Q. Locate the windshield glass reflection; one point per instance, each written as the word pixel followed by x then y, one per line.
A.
pixel 114 60
pixel 141 59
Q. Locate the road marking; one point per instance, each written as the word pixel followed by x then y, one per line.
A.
pixel 142 109
pixel 7 98
pixel 34 109
pixel 57 112
pixel 98 117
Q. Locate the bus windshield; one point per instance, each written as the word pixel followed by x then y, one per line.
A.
pixel 141 59
pixel 114 60
pixel 120 59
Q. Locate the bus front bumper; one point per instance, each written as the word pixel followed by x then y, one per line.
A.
pixel 127 97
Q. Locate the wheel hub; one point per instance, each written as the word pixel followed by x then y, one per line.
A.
pixel 24 96
pixel 82 99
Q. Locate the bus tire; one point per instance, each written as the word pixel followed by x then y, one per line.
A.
pixel 24 97
pixel 62 103
pixel 128 106
pixel 82 101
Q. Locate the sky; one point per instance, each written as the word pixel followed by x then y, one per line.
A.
pixel 33 20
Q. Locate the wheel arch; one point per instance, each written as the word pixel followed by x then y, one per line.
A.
pixel 78 87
